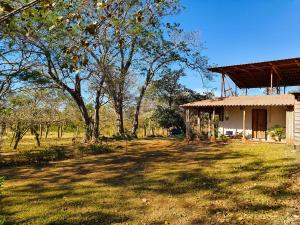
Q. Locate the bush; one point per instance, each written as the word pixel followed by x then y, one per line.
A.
pixel 180 136
pixel 223 137
pixel 2 220
pixel 176 131
pixel 59 152
pixel 1 181
pixel 95 149
pixel 278 132
pixel 126 136
pixel 44 156
pixel 203 136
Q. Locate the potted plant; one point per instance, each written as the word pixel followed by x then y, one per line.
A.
pixel 278 132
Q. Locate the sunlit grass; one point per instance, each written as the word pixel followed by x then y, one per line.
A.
pixel 28 142
pixel 159 182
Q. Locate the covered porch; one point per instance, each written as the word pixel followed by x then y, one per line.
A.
pixel 241 117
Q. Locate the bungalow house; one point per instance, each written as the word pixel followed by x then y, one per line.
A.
pixel 250 117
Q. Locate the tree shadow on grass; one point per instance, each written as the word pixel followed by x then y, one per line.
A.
pixel 173 170
pixel 175 180
pixel 93 218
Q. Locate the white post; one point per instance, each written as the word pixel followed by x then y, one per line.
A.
pixel 187 123
pixel 209 126
pixel 244 124
pixel 271 85
pixel 213 137
pixel 199 121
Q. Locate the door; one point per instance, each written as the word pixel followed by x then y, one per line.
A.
pixel 259 123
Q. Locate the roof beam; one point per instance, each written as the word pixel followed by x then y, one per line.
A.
pixel 239 83
pixel 257 68
pixel 298 64
pixel 285 73
pixel 277 72
pixel 246 71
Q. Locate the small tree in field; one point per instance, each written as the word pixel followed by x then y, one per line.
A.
pixel 171 94
pixel 27 111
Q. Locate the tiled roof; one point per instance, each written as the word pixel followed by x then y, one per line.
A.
pixel 263 100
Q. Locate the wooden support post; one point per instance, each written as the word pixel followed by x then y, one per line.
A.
pixel 284 89
pixel 213 136
pixel 222 86
pixel 271 83
pixel 235 91
pixel 199 121
pixel 187 124
pixel 244 124
pixel 209 126
pixel 229 87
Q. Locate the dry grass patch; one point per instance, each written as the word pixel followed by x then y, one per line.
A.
pixel 159 182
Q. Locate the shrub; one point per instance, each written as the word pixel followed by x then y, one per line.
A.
pixel 2 220
pixel 176 131
pixel 59 152
pixel 180 136
pixel 203 136
pixel 95 149
pixel 44 156
pixel 223 137
pixel 125 136
pixel 1 181
pixel 278 132
pixel 193 135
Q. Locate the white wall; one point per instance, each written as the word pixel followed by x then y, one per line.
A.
pixel 234 123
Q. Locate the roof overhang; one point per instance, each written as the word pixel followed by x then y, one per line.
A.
pixel 286 72
pixel 266 100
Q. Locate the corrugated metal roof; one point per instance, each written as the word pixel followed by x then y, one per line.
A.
pixel 265 100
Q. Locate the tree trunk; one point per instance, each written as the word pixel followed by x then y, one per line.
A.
pixel 96 133
pixel 145 130
pixel 120 118
pixel 77 131
pixel 61 130
pixel 41 130
pixel 76 95
pixel 135 124
pixel 12 139
pixel 17 139
pixel 2 128
pixel 36 134
pixel 46 131
pixel 88 125
pixel 58 132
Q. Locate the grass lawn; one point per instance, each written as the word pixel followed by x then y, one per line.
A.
pixel 159 182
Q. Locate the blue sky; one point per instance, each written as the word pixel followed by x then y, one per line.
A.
pixel 241 31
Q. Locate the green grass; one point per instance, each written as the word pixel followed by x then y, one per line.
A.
pixel 159 182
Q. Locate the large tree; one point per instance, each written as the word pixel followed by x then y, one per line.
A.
pixel 170 48
pixel 87 47
pixel 129 27
pixel 50 37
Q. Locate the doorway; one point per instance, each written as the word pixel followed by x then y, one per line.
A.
pixel 259 123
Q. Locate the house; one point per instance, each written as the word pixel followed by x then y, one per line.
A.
pixel 251 117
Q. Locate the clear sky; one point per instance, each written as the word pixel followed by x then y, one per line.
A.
pixel 242 31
